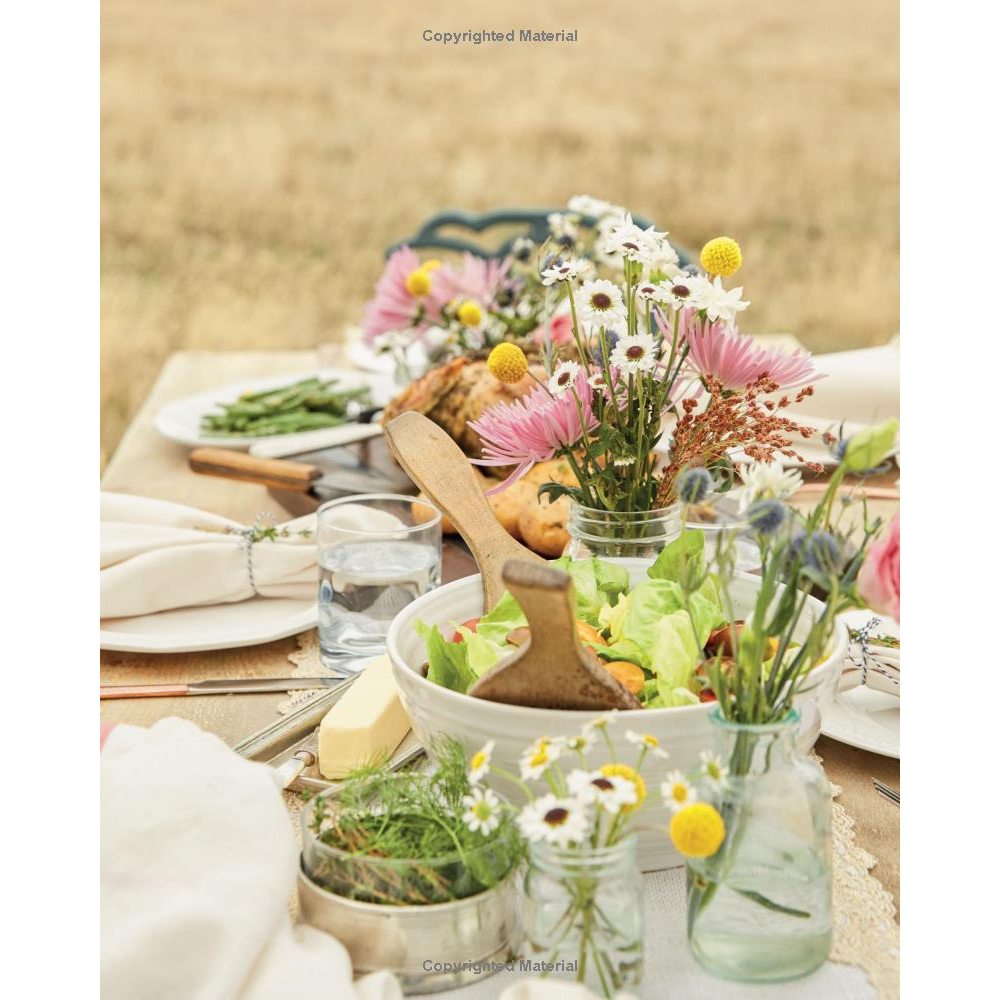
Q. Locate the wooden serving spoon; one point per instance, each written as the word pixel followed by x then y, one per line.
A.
pixel 553 669
pixel 437 465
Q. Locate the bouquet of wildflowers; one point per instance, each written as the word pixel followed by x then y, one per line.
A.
pixel 652 340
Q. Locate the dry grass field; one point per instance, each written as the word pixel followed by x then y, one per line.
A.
pixel 258 156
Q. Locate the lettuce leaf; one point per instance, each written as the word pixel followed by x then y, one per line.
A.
pixel 481 652
pixel 596 583
pixel 687 550
pixel 495 625
pixel 673 657
pixel 448 662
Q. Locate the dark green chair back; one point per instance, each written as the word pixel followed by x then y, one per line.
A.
pixel 516 222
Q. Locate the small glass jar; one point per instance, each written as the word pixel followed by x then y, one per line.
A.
pixel 759 909
pixel 582 914
pixel 609 534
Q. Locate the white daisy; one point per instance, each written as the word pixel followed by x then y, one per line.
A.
pixel 624 461
pixel 631 242
pixel 563 270
pixel 681 290
pixel 634 353
pixel 677 791
pixel 647 740
pixel 650 291
pixel 766 481
pixel 479 766
pixel 563 377
pixel 559 821
pixel 595 208
pixel 483 811
pixel 610 793
pixel 563 227
pixel 715 771
pixel 719 303
pixel 597 382
pixel 666 261
pixel 600 303
pixel 538 757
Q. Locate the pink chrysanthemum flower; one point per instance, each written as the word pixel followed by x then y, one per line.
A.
pixel 737 362
pixel 533 428
pixel 394 307
pixel 477 279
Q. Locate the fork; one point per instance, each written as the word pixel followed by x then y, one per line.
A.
pixel 883 789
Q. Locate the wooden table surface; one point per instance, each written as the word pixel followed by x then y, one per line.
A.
pixel 147 464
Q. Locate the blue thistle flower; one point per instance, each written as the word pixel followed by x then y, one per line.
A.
pixel 767 516
pixel 598 351
pixel 693 485
pixel 823 552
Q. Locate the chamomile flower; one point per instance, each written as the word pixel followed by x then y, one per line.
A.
pixel 483 811
pixel 720 303
pixel 677 791
pixel 600 303
pixel 599 724
pixel 562 270
pixel 581 743
pixel 479 766
pixel 635 353
pixel 558 821
pixel 563 378
pixel 611 793
pixel 538 757
pixel 564 227
pixel 647 740
pixel 766 481
pixel 715 770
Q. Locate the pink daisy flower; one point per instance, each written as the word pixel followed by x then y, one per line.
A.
pixel 393 307
pixel 738 362
pixel 478 279
pixel 533 428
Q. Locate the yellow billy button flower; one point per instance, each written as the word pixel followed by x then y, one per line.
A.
pixel 697 830
pixel 418 283
pixel 469 314
pixel 430 265
pixel 629 774
pixel 721 256
pixel 507 363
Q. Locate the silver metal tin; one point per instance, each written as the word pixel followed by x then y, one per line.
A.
pixel 430 948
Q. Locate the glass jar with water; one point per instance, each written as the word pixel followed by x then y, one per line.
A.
pixel 377 553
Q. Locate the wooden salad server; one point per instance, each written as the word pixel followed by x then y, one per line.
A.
pixel 553 669
pixel 437 465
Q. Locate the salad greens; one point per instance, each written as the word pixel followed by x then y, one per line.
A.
pixel 653 625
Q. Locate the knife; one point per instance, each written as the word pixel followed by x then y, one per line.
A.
pixel 246 685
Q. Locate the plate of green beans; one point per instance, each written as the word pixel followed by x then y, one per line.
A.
pixel 239 415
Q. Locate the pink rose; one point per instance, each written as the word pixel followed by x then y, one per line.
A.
pixel 560 329
pixel 878 581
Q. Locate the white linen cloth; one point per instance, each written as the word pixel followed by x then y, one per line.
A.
pixel 861 386
pixel 198 861
pixel 157 555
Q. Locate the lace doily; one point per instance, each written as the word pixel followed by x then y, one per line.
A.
pixel 865 932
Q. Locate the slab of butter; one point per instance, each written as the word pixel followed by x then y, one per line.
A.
pixel 369 720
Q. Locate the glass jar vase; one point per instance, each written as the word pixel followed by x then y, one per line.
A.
pixel 582 914
pixel 608 534
pixel 759 909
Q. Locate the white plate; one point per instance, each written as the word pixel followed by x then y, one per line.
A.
pixel 863 717
pixel 181 420
pixel 218 626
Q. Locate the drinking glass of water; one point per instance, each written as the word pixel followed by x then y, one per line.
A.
pixel 377 552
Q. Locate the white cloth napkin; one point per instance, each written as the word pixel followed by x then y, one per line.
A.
pixel 198 861
pixel 860 386
pixel 157 555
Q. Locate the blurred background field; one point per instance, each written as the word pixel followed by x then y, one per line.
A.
pixel 257 157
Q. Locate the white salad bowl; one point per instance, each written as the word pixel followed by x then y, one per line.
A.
pixel 683 732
